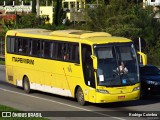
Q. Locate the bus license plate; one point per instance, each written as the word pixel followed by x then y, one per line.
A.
pixel 121 97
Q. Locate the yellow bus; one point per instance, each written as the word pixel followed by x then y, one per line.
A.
pixel 80 64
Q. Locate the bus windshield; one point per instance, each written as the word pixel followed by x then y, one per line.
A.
pixel 117 64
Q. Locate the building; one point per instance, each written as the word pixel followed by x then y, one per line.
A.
pixel 152 2
pixel 16 8
pixel 156 6
pixel 75 9
pixel 45 11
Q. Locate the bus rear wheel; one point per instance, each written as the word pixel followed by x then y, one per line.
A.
pixel 26 85
pixel 80 97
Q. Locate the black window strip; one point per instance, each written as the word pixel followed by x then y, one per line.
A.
pixel 38 48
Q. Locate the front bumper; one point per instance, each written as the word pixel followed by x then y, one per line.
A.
pixel 106 98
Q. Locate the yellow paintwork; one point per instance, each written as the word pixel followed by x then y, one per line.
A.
pixel 144 58
pixel 126 91
pixel 56 74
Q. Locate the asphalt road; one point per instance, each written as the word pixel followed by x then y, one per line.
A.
pixel 57 107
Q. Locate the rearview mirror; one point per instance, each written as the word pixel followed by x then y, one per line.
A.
pixel 143 58
pixel 94 58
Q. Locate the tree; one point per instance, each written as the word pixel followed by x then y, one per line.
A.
pixel 58 12
pixel 122 18
pixel 33 6
pixel 38 8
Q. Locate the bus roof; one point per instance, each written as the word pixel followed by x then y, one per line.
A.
pixel 90 36
pixel 79 33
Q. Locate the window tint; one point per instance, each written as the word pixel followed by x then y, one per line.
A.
pixel 10 44
pixel 59 51
pixel 68 52
pixel 74 52
pixel 22 46
pixel 53 50
pixel 35 49
pixel 19 45
pixel 26 46
pixel 47 49
pixel 64 51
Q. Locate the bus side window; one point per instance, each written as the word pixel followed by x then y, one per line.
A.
pixel 64 51
pixel 20 44
pixel 26 46
pixel 47 49
pixel 10 44
pixel 70 52
pixel 29 47
pixel 53 50
pixel 59 51
pixel 16 45
pixel 35 47
pixel 74 53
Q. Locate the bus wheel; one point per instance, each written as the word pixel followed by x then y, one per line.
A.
pixel 80 97
pixel 26 85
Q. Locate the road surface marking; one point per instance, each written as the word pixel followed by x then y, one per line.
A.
pixel 106 115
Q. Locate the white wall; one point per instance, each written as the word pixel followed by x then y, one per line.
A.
pixel 156 3
pixel 47 10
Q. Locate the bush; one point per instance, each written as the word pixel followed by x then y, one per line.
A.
pixel 27 21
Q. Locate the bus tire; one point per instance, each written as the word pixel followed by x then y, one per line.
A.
pixel 26 85
pixel 80 97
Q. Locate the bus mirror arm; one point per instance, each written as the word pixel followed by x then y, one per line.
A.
pixel 94 58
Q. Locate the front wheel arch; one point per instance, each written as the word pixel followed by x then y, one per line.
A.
pixel 80 96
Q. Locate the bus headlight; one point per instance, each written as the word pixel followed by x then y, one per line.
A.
pixel 136 88
pixel 102 91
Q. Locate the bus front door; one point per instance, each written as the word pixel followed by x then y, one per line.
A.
pixel 88 72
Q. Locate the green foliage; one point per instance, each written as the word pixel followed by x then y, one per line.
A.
pixel 4 28
pixel 27 21
pixel 124 18
pixel 6 108
pixel 115 18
